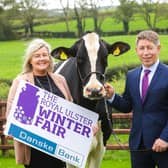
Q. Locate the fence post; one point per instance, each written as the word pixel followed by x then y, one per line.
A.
pixel 2 121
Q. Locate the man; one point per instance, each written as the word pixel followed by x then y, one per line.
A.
pixel 146 95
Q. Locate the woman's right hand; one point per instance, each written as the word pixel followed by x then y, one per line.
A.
pixel 7 136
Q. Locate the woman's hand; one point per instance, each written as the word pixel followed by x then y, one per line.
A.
pixel 7 136
pixel 95 129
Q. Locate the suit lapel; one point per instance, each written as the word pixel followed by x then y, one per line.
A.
pixel 137 82
pixel 154 80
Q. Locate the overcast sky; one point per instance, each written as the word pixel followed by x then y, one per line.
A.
pixel 52 4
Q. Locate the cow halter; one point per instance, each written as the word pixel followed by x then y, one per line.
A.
pixel 88 75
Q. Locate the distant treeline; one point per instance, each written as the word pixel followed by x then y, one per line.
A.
pixel 48 34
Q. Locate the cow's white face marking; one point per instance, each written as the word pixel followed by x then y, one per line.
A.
pixel 92 46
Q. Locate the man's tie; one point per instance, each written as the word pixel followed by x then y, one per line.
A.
pixel 145 83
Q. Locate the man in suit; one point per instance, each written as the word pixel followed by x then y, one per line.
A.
pixel 146 95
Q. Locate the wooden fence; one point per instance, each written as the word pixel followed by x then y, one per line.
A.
pixel 121 126
pixel 118 118
pixel 4 142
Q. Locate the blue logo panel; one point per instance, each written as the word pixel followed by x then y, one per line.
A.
pixel 32 139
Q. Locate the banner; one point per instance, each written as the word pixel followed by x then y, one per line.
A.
pixel 51 124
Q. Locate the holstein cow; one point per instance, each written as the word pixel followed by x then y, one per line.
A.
pixel 84 71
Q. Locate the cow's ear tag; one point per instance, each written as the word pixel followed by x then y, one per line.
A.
pixel 116 52
pixel 63 56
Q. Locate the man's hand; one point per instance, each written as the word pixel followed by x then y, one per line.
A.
pixel 160 145
pixel 109 90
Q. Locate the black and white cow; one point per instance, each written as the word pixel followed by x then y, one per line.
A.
pixel 84 71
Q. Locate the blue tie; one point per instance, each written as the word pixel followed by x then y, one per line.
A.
pixel 145 83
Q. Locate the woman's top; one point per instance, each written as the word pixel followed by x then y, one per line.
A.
pixel 46 82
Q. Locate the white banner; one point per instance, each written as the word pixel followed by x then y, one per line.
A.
pixel 51 124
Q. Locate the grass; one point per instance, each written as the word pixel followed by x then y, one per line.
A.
pixel 9 162
pixel 117 159
pixel 60 26
pixel 12 53
pixel 109 24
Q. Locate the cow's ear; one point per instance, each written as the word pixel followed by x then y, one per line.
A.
pixel 118 48
pixel 61 53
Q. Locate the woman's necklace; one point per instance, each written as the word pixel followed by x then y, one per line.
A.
pixel 41 85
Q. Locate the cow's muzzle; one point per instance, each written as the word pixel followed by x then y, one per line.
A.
pixel 94 92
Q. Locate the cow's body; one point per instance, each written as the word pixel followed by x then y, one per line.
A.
pixel 84 72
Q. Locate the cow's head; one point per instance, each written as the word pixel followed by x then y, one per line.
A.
pixel 91 54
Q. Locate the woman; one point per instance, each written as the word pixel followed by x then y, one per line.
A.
pixel 37 69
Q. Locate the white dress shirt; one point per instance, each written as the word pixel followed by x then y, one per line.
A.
pixel 150 75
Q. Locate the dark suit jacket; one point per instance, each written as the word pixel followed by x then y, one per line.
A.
pixel 150 119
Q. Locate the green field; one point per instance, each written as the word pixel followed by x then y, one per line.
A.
pixel 12 52
pixel 108 25
pixel 112 159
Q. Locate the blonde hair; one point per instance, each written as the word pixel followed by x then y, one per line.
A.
pixel 148 35
pixel 33 46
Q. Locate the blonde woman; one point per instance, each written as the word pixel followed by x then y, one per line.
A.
pixel 37 69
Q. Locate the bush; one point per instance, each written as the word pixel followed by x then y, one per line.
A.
pixel 4 89
pixel 6 30
pixel 113 74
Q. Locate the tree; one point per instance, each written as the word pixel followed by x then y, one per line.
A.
pixel 124 13
pixel 94 6
pixel 66 10
pixel 80 11
pixel 29 10
pixel 6 6
pixel 152 12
